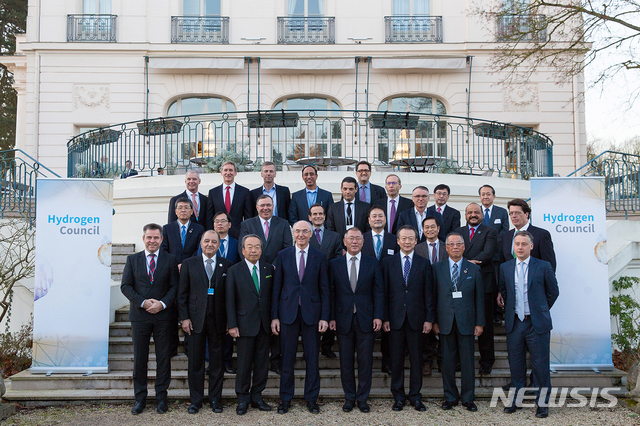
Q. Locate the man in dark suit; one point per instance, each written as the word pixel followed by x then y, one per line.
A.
pixel 450 216
pixel 367 192
pixel 181 237
pixel 479 247
pixel 249 285
pixel 201 306
pixel 409 316
pixel 280 195
pixel 434 250
pixel 300 303
pixel 527 319
pixel 357 309
pixel 415 216
pixel 199 201
pixel 350 211
pixel 302 200
pixel 393 203
pixel 231 198
pixel 460 307
pixel 150 282
pixel 128 170
pixel 273 231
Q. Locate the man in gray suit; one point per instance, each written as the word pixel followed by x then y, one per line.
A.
pixel 274 232
pixel 527 319
pixel 460 317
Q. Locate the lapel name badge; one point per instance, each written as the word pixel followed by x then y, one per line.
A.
pixel 457 294
pixel 210 291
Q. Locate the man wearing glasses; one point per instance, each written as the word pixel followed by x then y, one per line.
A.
pixel 414 217
pixel 393 203
pixel 367 191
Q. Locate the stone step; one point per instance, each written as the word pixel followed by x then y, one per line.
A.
pixel 117 268
pixel 116 278
pixel 123 248
pixel 118 259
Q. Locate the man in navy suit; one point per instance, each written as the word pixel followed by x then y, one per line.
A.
pixel 393 203
pixel 357 309
pixel 349 211
pixel 300 302
pixel 450 216
pixel 181 237
pixel 367 192
pixel 302 200
pixel 231 198
pixel 460 307
pixel 529 289
pixel 199 202
pixel 415 216
pixel 128 170
pixel 280 195
pixel 409 316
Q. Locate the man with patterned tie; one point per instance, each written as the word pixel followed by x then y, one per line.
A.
pixel 234 199
pixel 367 192
pixel 150 282
pixel 450 216
pixel 393 203
pixel 300 303
pixel 199 201
pixel 409 315
pixel 201 306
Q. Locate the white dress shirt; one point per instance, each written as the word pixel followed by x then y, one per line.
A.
pixel 349 261
pixel 459 262
pixel 190 197
pixel 353 213
pixel 525 286
pixel 147 258
pixel 402 259
pixel 397 200
pixel 306 257
pixel 264 227
pixel 232 190
pixel 420 218
pixel 251 265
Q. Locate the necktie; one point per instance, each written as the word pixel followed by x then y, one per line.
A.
pixel 520 297
pixel 471 232
pixel 407 268
pixel 152 267
pixel 222 249
pixel 486 217
pixel 255 278
pixel 266 229
pixel 318 236
pixel 349 218
pixel 378 246
pixel 434 254
pixel 209 268
pixel 392 215
pixel 301 268
pixel 354 274
pixel 440 210
pixel 363 196
pixel 195 205
pixel 183 234
pixel 454 277
pixel 227 200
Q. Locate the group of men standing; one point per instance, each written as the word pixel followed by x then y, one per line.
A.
pixel 373 262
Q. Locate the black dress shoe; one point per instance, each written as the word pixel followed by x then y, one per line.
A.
pixel 229 369
pixel 162 407
pixel 398 405
pixel 364 407
pixel 261 405
pixel 448 405
pixel 276 369
pixel 193 409
pixel 329 354
pixel 138 407
pixel 216 407
pixel 313 408
pixel 241 409
pixel 542 412
pixel 484 371
pixel 283 407
pixel 507 386
pixel 385 369
pixel 512 409
pixel 470 406
pixel 348 405
pixel 419 406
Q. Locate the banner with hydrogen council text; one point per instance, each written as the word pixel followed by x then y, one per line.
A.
pixel 573 211
pixel 73 276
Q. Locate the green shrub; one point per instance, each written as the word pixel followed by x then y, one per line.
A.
pixel 16 350
pixel 625 309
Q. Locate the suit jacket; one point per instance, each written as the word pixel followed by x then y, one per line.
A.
pixel 137 287
pixel 172 242
pixel 468 311
pixel 542 292
pixel 231 251
pixel 450 218
pixel 299 207
pixel 542 246
pixel 192 292
pixel 413 302
pixel 389 242
pixel 424 250
pixel 247 308
pixel 241 207
pixel 368 297
pixel 403 204
pixel 312 291
pixel 202 213
pixel 408 217
pixel 331 244
pixel 482 248
pixel 336 220
pixel 279 237
pixel 377 192
pixel 499 220
pixel 126 174
pixel 283 200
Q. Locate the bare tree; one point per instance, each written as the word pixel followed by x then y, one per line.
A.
pixel 17 252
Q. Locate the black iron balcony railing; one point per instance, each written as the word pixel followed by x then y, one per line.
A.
pixel 200 29
pixel 517 28
pixel 418 142
pixel 91 28
pixel 413 29
pixel 306 30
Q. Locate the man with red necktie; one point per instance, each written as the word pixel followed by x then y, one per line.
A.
pixel 233 199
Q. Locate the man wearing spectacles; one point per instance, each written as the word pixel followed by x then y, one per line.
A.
pixel 367 191
pixel 419 212
pixel 450 216
pixel 393 203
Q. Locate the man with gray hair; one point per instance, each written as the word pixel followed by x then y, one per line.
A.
pixel 393 203
pixel 231 198
pixel 280 195
pixel 199 201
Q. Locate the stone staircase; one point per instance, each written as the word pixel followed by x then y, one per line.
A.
pixel 119 253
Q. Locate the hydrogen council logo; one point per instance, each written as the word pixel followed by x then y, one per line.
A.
pixel 578 397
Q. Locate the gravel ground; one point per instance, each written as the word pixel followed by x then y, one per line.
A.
pixel 330 414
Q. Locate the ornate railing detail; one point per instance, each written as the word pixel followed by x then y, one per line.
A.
pixel 200 29
pixel 91 28
pixel 518 28
pixel 413 29
pixel 306 30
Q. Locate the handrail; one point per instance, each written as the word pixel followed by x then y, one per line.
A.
pixel 38 164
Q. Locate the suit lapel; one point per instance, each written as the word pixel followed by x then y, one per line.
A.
pixel 532 268
pixel 248 278
pixel 142 264
pixel 263 278
pixel 363 265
